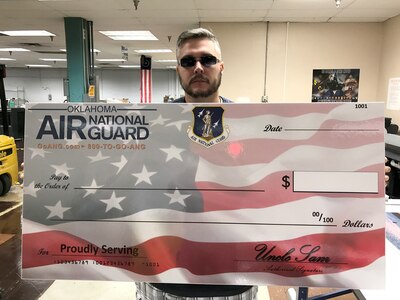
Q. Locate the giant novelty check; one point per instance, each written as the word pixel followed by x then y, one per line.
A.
pixel 286 194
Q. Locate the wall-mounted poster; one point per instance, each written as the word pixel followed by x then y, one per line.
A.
pixel 338 85
pixel 393 97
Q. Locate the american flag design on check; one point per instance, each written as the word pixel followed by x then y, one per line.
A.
pixel 124 192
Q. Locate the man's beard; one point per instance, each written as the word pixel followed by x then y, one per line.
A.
pixel 202 93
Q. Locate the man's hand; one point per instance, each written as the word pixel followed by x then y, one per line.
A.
pixel 387 171
pixel 21 173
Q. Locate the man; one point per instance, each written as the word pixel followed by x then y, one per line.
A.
pixel 200 69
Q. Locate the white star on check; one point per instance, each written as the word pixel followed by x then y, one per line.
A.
pixel 178 124
pixel 143 176
pixel 91 189
pixel 56 210
pixel 120 164
pixel 30 190
pixel 186 108
pixel 113 202
pixel 173 152
pixel 159 121
pixel 38 152
pixel 98 157
pixel 61 169
pixel 177 197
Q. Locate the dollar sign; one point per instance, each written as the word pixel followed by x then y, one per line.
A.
pixel 286 182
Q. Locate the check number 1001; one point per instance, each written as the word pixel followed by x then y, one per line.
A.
pixel 361 105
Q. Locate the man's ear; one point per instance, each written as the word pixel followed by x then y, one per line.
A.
pixel 222 67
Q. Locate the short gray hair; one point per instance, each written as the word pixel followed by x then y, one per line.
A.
pixel 197 33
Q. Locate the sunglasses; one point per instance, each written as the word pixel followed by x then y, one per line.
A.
pixel 206 61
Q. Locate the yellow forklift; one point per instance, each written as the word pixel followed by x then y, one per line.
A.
pixel 8 149
pixel 8 164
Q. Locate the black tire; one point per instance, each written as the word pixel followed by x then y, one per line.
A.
pixel 6 183
pixel 1 189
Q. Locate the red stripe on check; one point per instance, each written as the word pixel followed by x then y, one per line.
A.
pixel 299 257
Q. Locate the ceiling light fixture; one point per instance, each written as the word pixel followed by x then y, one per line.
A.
pixel 130 35
pixel 154 51
pixel 129 66
pixel 38 66
pixel 111 59
pixel 4 59
pixel 53 59
pixel 27 33
pixel 337 2
pixel 166 60
pixel 13 49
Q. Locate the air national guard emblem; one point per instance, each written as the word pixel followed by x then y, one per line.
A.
pixel 208 126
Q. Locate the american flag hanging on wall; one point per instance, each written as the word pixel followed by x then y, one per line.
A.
pixel 145 79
